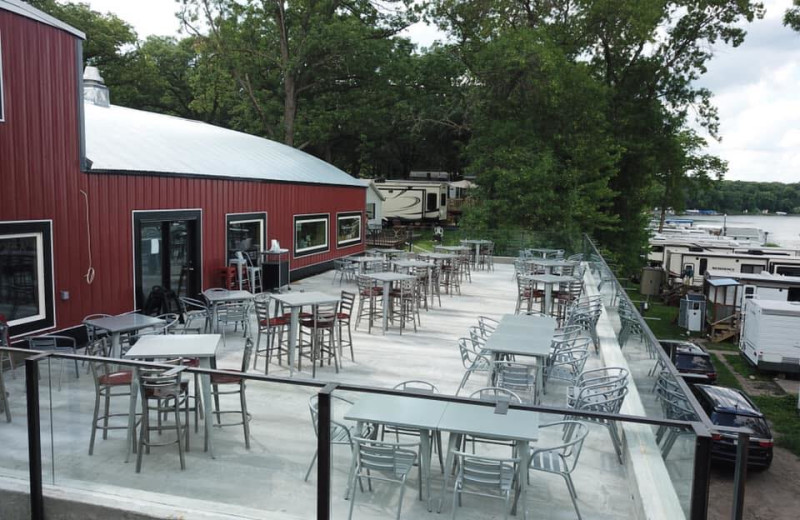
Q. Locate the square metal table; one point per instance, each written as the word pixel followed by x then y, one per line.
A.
pixel 545 253
pixel 406 412
pixel 363 261
pixel 515 425
pixel 116 325
pixel 549 280
pixel 201 346
pixel 522 335
pixel 295 301
pixel 550 263
pixel 387 278
pixel 217 297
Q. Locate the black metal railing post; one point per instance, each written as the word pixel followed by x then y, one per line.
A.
pixel 34 436
pixel 324 452
pixel 701 482
pixel 740 476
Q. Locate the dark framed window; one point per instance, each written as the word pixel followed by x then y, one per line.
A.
pixel 751 268
pixel 2 99
pixel 442 199
pixel 310 234
pixel 348 229
pixel 432 200
pixel 26 276
pixel 245 232
pixel 371 210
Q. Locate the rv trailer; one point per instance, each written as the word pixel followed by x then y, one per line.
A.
pixel 770 337
pixel 414 201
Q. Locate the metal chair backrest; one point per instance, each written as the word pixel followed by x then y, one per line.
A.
pixel 486 472
pixel 262 310
pixel 495 394
pixel 336 426
pixel 171 320
pixel 471 359
pixel 389 458
pixel 161 383
pixel 416 385
pixel 91 330
pixel 347 302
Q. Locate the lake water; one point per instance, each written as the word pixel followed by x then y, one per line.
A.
pixel 783 230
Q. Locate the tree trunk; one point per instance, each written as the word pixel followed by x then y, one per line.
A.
pixel 289 85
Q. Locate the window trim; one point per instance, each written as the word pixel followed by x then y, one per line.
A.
pixel 257 216
pixel 2 90
pixel 311 217
pixel 45 229
pixel 343 244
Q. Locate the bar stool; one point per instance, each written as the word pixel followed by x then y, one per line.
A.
pixel 269 326
pixel 106 381
pixel 346 305
pixel 369 293
pixel 321 332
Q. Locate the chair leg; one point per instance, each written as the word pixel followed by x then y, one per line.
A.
pixel 310 466
pixel 245 415
pixel 94 422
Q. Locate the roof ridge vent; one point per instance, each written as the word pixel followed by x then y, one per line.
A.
pixel 94 88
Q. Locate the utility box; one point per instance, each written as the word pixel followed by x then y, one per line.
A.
pixel 692 313
pixel 275 269
pixel 652 279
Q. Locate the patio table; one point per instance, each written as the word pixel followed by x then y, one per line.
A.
pixel 389 252
pixel 419 264
pixel 404 412
pixel 550 263
pixel 477 244
pixel 116 325
pixel 522 335
pixel 439 258
pixel 544 253
pixel 295 301
pixel 452 249
pixel 387 278
pixel 481 421
pixel 548 280
pixel 169 346
pixel 217 297
pixel 362 261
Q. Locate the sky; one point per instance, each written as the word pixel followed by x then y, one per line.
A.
pixel 756 86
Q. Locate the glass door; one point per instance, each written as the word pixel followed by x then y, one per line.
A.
pixel 167 253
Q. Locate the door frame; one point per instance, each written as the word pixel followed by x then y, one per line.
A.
pixel 166 215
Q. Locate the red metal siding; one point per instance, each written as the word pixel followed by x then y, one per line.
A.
pixel 41 179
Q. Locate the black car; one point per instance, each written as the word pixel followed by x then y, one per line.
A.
pixel 730 407
pixel 689 358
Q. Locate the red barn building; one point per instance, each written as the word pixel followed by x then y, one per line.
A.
pixel 99 203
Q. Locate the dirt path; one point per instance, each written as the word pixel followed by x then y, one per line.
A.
pixel 773 494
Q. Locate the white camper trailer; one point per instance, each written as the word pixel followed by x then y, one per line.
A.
pixel 414 201
pixel 770 337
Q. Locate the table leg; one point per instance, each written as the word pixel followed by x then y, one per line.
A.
pixel 132 411
pixel 116 348
pixel 452 444
pixel 293 337
pixel 387 287
pixel 548 293
pixel 425 463
pixel 477 255
pixel 214 320
pixel 539 385
pixel 521 495
pixel 205 380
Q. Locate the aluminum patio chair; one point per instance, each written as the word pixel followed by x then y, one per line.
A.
pixel 237 384
pixel 272 329
pixel 192 311
pixel 343 322
pixel 341 432
pixel 383 461
pixel 236 313
pixel 320 333
pixel 417 386
pixel 109 383
pixel 567 364
pixel 486 477
pixel 163 392
pixel 609 402
pixel 370 301
pixel 56 344
pixel 561 459
pixel 253 272
pixel 474 362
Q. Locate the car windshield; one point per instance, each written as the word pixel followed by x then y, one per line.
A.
pixel 693 362
pixel 757 424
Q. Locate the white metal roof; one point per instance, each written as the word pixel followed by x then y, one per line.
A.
pixel 24 9
pixel 764 276
pixel 776 307
pixel 371 185
pixel 125 140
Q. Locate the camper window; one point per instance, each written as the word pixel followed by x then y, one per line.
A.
pixel 26 276
pixel 371 210
pixel 432 198
pixel 443 199
pixel 751 268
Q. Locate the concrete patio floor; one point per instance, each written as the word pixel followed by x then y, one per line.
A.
pixel 267 480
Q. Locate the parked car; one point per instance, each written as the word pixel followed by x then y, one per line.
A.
pixel 730 407
pixel 689 358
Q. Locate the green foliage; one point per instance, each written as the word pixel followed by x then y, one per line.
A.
pixel 740 196
pixel 792 16
pixel 724 375
pixel 782 414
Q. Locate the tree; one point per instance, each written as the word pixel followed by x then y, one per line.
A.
pixel 281 53
pixel 792 16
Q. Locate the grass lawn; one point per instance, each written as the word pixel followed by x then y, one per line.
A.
pixel 746 369
pixel 725 345
pixel 782 414
pixel 662 319
pixel 724 375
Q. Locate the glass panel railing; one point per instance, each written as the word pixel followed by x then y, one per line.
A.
pixel 13 415
pixel 588 446
pixel 266 478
